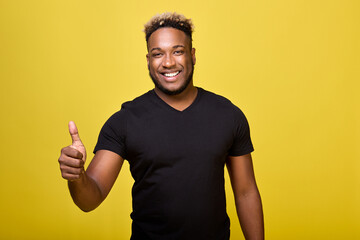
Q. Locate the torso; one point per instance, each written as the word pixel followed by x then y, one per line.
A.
pixel 177 161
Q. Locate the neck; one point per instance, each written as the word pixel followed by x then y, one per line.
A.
pixel 180 101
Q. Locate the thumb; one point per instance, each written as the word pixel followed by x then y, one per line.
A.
pixel 74 134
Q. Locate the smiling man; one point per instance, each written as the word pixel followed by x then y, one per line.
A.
pixel 171 74
pixel 177 139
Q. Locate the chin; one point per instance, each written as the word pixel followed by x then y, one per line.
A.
pixel 171 92
pixel 175 91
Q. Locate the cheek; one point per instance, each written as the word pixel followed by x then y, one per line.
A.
pixel 188 63
pixel 153 65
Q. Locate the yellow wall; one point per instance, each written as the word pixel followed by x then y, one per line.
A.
pixel 292 66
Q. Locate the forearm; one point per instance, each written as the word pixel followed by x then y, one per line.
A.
pixel 249 210
pixel 85 192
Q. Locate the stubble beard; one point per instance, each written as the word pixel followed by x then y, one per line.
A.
pixel 174 92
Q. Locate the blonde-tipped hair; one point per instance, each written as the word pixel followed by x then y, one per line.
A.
pixel 168 19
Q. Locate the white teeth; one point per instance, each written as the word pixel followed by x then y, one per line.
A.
pixel 171 74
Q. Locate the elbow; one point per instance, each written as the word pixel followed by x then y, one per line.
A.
pixel 86 209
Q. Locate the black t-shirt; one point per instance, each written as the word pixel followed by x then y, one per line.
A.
pixel 177 161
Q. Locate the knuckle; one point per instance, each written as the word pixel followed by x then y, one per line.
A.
pixel 63 150
pixel 61 159
pixel 62 168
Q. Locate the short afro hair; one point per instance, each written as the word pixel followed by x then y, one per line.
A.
pixel 168 19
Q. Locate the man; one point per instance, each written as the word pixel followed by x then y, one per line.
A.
pixel 177 139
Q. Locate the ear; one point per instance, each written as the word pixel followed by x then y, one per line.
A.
pixel 193 55
pixel 147 59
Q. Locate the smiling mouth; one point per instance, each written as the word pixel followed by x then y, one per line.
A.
pixel 173 74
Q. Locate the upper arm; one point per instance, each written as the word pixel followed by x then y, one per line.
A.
pixel 104 169
pixel 241 174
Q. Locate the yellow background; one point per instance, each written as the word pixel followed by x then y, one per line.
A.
pixel 293 67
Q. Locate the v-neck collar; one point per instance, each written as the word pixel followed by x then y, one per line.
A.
pixel 166 105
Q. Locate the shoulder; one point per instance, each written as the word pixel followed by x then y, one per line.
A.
pixel 222 109
pixel 139 102
pixel 210 96
pixel 219 103
pixel 218 100
pixel 136 108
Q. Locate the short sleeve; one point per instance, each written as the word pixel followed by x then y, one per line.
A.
pixel 112 136
pixel 242 142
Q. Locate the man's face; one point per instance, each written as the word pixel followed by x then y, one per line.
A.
pixel 170 60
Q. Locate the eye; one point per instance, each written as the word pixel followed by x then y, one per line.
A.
pixel 178 52
pixel 156 55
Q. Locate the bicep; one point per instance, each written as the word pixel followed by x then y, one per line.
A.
pixel 241 174
pixel 104 169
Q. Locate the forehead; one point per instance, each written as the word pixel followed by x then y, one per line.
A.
pixel 168 37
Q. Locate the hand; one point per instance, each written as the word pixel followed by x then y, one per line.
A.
pixel 73 157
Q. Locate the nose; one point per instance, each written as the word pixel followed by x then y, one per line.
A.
pixel 168 61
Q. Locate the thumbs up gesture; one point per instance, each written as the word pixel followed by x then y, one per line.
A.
pixel 76 141
pixel 73 157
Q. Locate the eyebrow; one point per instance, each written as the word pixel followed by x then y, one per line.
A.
pixel 176 46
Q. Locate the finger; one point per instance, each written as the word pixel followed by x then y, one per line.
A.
pixel 70 170
pixel 71 152
pixel 74 134
pixel 70 177
pixel 71 162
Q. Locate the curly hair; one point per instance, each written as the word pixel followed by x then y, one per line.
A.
pixel 168 19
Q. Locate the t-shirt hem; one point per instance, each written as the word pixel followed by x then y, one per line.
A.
pixel 121 154
pixel 241 153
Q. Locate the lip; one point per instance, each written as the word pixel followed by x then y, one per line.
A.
pixel 170 79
